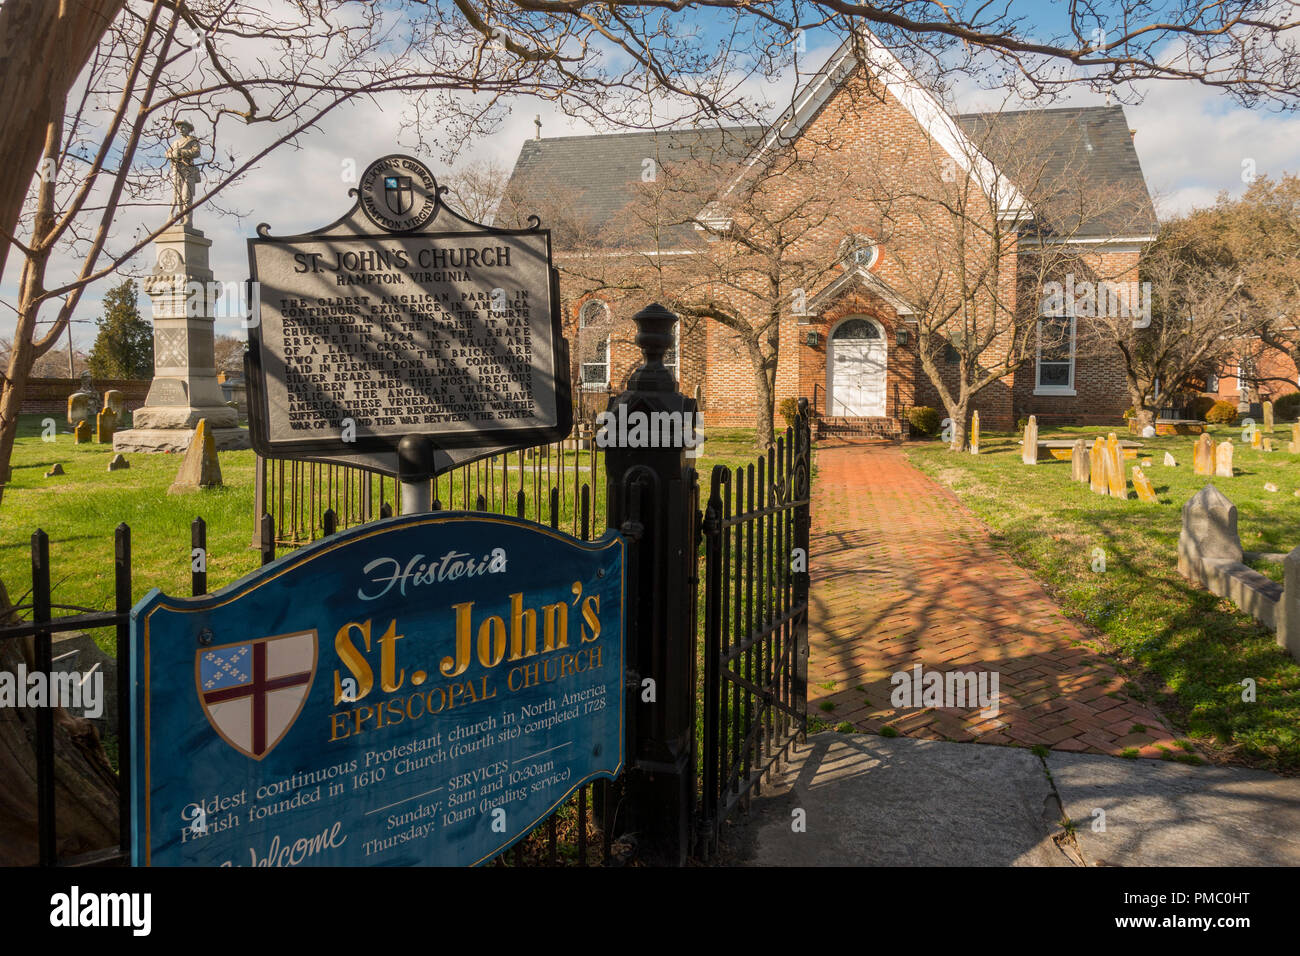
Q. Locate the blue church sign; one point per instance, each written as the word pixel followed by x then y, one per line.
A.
pixel 422 690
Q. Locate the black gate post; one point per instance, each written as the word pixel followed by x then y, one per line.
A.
pixel 659 783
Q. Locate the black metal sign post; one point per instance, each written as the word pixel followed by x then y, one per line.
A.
pixel 404 338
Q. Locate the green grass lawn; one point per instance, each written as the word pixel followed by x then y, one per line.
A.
pixel 1178 643
pixel 80 509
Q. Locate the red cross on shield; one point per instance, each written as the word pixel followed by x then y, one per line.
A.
pixel 253 691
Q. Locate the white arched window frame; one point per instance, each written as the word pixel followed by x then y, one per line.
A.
pixel 1054 361
pixel 594 370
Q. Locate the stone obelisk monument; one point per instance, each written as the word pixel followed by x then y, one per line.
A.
pixel 184 388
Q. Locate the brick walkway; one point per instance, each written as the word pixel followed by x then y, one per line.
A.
pixel 902 575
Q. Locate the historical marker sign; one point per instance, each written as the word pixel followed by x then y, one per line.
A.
pixel 422 690
pixel 403 318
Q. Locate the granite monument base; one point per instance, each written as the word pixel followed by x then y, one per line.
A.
pixel 176 440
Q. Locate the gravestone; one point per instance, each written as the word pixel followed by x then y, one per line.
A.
pixel 1203 455
pixel 975 433
pixel 200 469
pixel 81 434
pixel 1294 445
pixel 104 423
pixel 1142 485
pixel 55 469
pixel 83 404
pixel 1256 438
pixel 1223 460
pixel 118 462
pixel 1268 444
pixel 1079 464
pixel 1115 480
pixel 1170 461
pixel 1268 416
pixel 1269 486
pixel 184 387
pixel 1029 454
pixel 1147 462
pixel 115 402
pixel 1097 467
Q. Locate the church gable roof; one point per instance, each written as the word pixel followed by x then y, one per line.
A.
pixel 595 176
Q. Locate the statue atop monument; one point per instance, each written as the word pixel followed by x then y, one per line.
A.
pixel 182 152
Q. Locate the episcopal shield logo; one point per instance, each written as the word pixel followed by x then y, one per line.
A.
pixel 398 194
pixel 253 691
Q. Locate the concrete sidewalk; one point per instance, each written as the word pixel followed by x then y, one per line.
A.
pixel 878 801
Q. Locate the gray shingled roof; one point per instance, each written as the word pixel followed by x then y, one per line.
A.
pixel 1091 141
pixel 593 175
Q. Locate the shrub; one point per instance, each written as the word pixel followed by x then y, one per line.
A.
pixel 924 419
pixel 1130 412
pixel 1022 423
pixel 1287 407
pixel 1198 406
pixel 789 409
pixel 1221 413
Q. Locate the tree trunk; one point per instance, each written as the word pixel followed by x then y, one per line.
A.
pixel 44 46
pixel 764 434
pixel 86 794
pixel 958 414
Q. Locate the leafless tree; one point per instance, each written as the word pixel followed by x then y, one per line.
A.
pixel 973 234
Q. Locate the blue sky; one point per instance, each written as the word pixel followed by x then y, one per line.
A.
pixel 1192 142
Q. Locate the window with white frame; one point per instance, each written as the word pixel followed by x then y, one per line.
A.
pixel 1054 373
pixel 594 371
pixel 672 357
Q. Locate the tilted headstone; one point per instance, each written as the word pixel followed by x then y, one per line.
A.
pixel 1170 461
pixel 1268 416
pixel 1079 470
pixel 1142 485
pixel 1029 454
pixel 1203 455
pixel 975 433
pixel 118 462
pixel 1223 460
pixel 1115 480
pixel 200 469
pixel 81 434
pixel 1097 467
pixel 55 469
pixel 105 422
pixel 1209 533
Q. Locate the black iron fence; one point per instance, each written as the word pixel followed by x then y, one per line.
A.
pixel 756 530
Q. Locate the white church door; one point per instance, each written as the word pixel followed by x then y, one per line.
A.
pixel 855 369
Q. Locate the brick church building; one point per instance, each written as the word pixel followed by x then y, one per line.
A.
pixel 849 343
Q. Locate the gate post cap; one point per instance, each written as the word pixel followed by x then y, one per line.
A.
pixel 415 458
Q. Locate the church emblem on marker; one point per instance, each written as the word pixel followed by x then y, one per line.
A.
pixel 253 691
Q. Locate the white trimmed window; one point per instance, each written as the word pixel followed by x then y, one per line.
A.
pixel 594 371
pixel 672 358
pixel 1054 365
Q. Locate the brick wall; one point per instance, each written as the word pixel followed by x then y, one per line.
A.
pixel 49 396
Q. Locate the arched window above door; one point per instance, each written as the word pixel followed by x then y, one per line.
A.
pixel 857 329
